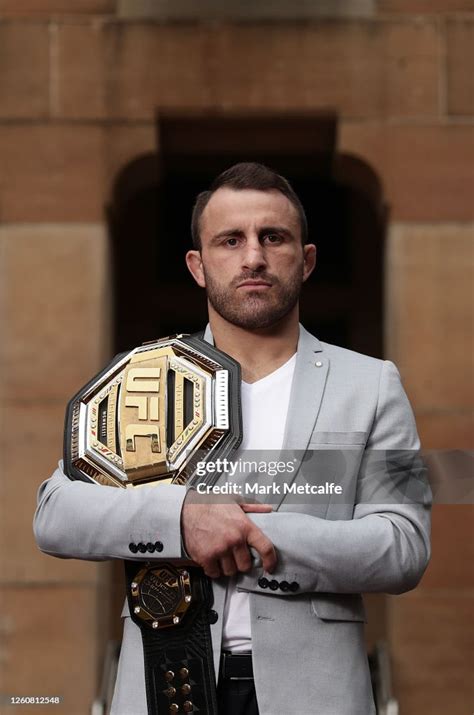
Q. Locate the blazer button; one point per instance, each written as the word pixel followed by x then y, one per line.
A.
pixel 213 617
pixel 263 582
pixel 274 585
pixel 150 547
pixel 133 548
pixel 158 546
pixel 142 547
pixel 284 585
pixel 294 586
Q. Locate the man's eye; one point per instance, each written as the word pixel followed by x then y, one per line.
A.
pixel 231 242
pixel 272 238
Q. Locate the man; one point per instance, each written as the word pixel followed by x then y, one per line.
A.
pixel 286 581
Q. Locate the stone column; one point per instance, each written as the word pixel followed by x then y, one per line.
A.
pixel 430 318
pixel 54 334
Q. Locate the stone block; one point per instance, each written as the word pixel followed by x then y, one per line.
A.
pixel 24 70
pixel 81 65
pixel 431 641
pixel 235 9
pixel 427 170
pixel 40 427
pixel 460 61
pixel 430 313
pixel 446 429
pixel 452 549
pixel 50 645
pixel 154 66
pixel 54 311
pixel 361 69
pixel 424 6
pixel 51 172
pixel 56 7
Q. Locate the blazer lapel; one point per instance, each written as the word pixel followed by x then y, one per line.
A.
pixel 307 392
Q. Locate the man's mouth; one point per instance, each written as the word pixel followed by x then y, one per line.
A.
pixel 255 284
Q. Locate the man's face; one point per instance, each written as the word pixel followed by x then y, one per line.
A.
pixel 252 262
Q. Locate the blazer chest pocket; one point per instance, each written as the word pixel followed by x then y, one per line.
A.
pixel 330 440
pixel 339 607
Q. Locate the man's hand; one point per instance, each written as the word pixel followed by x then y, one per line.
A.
pixel 217 536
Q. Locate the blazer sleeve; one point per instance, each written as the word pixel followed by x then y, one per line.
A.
pixel 82 520
pixel 385 546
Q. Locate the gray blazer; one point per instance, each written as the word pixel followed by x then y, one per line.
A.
pixel 308 647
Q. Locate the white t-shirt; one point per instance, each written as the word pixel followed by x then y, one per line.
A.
pixel 264 409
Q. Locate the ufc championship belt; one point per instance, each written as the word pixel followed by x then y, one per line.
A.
pixel 148 418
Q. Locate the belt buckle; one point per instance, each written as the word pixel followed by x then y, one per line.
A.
pixel 160 595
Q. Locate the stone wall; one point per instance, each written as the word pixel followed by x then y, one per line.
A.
pixel 79 89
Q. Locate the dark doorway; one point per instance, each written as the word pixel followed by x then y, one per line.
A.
pixel 150 214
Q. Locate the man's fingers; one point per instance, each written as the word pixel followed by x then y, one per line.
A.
pixel 256 507
pixel 242 558
pixel 218 536
pixel 265 548
pixel 228 565
pixel 212 568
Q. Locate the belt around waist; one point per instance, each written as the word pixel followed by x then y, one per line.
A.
pixel 236 666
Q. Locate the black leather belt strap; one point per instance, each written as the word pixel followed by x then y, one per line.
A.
pixel 179 666
pixel 236 666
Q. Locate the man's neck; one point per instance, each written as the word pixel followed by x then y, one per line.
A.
pixel 259 352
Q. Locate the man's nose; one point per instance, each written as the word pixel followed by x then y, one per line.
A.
pixel 254 256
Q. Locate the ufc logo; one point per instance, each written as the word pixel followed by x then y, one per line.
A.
pixel 143 379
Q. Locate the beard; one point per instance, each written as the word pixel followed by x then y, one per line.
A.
pixel 254 310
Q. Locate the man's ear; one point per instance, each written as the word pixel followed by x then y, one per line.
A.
pixel 194 264
pixel 309 252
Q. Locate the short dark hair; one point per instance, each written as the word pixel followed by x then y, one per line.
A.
pixel 247 175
